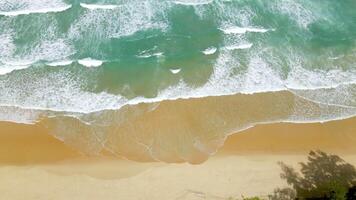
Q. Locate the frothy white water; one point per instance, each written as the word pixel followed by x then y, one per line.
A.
pixel 5 69
pixel 7 46
pixel 89 62
pixel 260 76
pixel 301 14
pixel 131 17
pixel 210 51
pixel 18 115
pixel 50 50
pixel 46 50
pixel 145 54
pixel 175 71
pixel 98 6
pixel 242 30
pixel 60 63
pixel 10 66
pixel 25 7
pixel 302 79
pixel 192 2
pixel 54 91
pixel 240 46
pixel 27 12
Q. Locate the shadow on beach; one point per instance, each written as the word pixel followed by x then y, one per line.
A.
pixel 323 176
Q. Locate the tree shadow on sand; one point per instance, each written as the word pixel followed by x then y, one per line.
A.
pixel 323 176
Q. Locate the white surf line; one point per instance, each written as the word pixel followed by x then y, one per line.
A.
pixel 41 10
pixel 242 30
pixel 60 63
pixel 8 69
pixel 210 51
pixel 192 3
pixel 241 46
pixel 175 71
pixel 146 55
pixel 98 6
pixel 89 62
pixel 9 66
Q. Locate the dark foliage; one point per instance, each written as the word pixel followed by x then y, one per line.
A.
pixel 351 194
pixel 324 176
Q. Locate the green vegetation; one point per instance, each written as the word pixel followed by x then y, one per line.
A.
pixel 252 198
pixel 324 176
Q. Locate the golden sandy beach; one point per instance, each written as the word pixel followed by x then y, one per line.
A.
pixel 177 99
pixel 35 165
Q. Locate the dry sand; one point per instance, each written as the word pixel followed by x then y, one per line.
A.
pixel 35 165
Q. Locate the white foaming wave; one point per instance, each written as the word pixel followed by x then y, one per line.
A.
pixel 303 15
pixel 98 6
pixel 7 46
pixel 259 77
pixel 18 115
pixel 149 55
pixel 90 62
pixel 242 30
pixel 305 112
pixel 51 50
pixel 47 50
pixel 133 16
pixel 175 70
pixel 34 10
pixel 60 63
pixel 60 92
pixel 342 96
pixel 240 46
pixel 227 14
pixel 10 66
pixel 210 51
pixel 303 79
pixel 64 95
pixel 5 69
pixel 192 2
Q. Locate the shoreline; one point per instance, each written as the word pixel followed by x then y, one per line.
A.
pixel 24 144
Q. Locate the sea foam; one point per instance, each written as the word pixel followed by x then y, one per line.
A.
pixel 36 8
pixel 60 63
pixel 210 51
pixel 5 69
pixel 98 6
pixel 90 62
pixel 175 71
pixel 240 46
pixel 242 30
pixel 192 2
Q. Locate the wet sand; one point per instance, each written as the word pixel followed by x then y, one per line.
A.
pixel 34 165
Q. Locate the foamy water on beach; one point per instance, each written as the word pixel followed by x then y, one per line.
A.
pixel 171 80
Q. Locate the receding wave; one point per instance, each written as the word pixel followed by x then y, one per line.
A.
pixel 195 131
